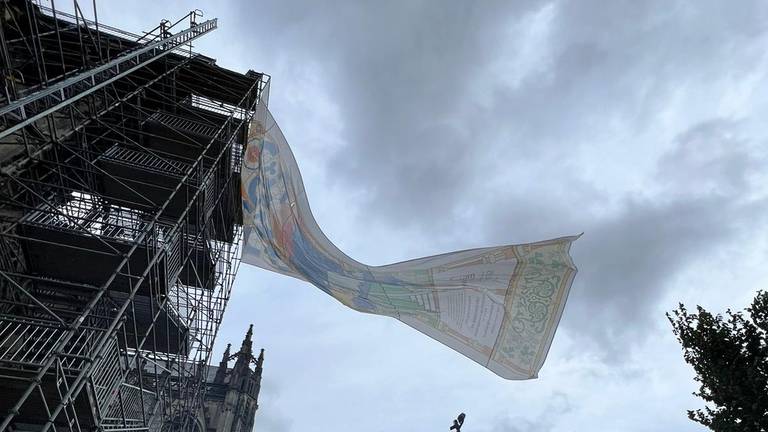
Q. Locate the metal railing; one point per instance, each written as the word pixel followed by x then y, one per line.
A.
pixel 39 104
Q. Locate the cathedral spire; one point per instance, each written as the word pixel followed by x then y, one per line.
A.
pixel 225 357
pixel 247 347
pixel 221 371
pixel 245 355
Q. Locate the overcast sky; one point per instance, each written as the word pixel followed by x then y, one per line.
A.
pixel 424 127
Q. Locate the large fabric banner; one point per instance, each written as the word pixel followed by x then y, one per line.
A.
pixel 499 305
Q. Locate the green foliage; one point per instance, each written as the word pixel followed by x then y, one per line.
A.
pixel 730 357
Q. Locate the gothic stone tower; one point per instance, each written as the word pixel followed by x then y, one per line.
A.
pixel 232 396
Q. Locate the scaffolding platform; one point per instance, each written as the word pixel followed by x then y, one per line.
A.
pixel 120 218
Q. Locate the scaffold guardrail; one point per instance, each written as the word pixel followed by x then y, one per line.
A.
pixel 39 104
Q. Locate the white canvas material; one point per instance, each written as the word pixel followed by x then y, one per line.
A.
pixel 499 306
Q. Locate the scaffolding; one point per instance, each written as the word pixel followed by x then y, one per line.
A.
pixel 120 218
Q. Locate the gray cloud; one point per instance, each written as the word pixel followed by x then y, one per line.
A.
pixel 271 417
pixel 713 157
pixel 634 122
pixel 557 406
pixel 638 123
pixel 437 103
pixel 629 260
pixel 269 422
pixel 409 79
pixel 398 73
pixel 629 257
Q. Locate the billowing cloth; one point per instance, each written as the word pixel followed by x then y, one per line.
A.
pixel 499 305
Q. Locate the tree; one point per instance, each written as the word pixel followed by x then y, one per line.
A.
pixel 730 357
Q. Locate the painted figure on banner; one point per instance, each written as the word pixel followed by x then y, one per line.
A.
pixel 499 305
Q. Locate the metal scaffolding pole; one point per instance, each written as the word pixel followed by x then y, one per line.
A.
pixel 120 219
